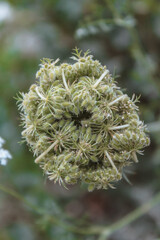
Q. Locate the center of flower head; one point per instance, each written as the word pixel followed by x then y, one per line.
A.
pixel 80 117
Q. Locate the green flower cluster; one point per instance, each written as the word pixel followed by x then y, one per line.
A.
pixel 79 124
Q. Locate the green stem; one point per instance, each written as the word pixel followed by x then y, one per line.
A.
pixel 130 217
pixel 52 219
pixel 18 196
pixel 102 230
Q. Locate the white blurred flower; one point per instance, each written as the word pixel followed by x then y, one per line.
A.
pixel 6 11
pixel 1 142
pixel 4 154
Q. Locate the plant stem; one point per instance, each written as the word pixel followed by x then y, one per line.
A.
pixel 55 220
pixel 102 230
pixel 129 218
pixel 18 196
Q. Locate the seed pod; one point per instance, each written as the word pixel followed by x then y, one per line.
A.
pixel 61 123
pixel 68 157
pixel 99 138
pixel 91 187
pixel 67 115
pixel 94 158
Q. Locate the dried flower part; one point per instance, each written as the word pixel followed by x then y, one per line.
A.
pixel 79 124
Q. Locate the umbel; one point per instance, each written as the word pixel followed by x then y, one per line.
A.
pixel 79 124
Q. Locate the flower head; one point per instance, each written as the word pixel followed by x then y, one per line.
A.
pixel 79 124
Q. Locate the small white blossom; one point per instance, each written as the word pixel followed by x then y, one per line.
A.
pixel 4 154
pixel 1 142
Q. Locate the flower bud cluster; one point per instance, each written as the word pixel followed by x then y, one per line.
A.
pixel 79 124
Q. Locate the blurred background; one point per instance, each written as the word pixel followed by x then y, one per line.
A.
pixel 125 36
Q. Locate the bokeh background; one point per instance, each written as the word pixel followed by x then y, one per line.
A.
pixel 125 36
